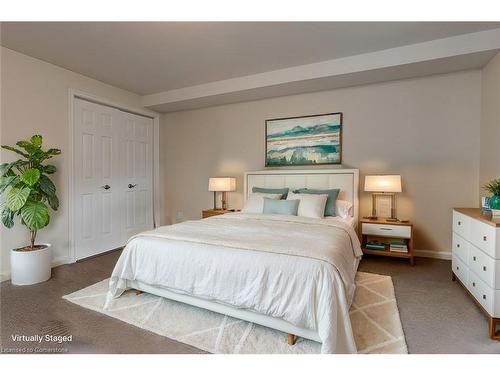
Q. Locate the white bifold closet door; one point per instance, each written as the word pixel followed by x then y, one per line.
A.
pixel 137 157
pixel 113 181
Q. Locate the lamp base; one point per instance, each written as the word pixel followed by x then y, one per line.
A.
pixel 224 200
pixel 384 205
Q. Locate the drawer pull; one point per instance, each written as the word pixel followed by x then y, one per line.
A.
pixel 473 284
pixel 458 245
pixel 484 268
pixel 385 228
pixel 484 296
pixel 474 259
pixel 458 268
pixel 484 238
pixel 459 223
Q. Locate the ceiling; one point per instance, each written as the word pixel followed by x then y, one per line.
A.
pixel 153 57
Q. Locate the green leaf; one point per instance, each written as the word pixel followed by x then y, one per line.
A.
pixel 17 197
pixel 37 140
pixel 27 146
pixel 46 185
pixel 7 181
pixel 35 215
pixel 7 217
pixel 17 151
pixel 30 177
pixel 493 186
pixel 49 169
pixel 53 201
pixel 43 155
pixel 6 168
pixel 54 151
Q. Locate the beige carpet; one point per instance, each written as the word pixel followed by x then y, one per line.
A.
pixel 374 317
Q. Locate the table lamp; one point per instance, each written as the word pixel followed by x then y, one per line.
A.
pixel 383 189
pixel 222 184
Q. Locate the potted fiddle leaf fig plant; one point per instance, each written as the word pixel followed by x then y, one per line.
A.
pixel 494 188
pixel 28 192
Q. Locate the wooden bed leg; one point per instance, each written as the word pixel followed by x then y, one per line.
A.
pixel 291 339
pixel 494 334
pixel 137 292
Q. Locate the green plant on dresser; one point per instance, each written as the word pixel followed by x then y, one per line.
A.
pixel 494 188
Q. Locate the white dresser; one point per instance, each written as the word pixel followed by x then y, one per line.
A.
pixel 476 260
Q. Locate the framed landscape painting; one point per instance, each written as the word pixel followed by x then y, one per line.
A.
pixel 307 140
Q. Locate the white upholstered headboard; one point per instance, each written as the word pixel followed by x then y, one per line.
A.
pixel 347 180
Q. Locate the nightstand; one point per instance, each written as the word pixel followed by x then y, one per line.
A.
pixel 212 212
pixel 382 232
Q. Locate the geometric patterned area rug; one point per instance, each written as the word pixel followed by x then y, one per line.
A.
pixel 374 319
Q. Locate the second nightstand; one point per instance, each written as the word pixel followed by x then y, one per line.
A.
pixel 212 212
pixel 382 233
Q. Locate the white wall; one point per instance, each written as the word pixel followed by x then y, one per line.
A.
pixel 34 99
pixel 490 123
pixel 425 129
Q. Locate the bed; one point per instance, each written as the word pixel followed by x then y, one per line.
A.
pixel 256 267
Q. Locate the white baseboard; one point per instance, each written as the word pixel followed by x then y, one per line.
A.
pixel 56 262
pixel 433 254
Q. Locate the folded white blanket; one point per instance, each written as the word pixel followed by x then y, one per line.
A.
pixel 325 249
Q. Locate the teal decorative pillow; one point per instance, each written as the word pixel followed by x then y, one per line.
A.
pixel 281 207
pixel 330 202
pixel 283 191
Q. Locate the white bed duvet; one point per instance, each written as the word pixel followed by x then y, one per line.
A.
pixel 297 269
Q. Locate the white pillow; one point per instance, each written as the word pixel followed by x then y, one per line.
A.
pixel 255 202
pixel 343 208
pixel 311 205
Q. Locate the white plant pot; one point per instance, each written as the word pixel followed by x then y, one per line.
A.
pixel 30 267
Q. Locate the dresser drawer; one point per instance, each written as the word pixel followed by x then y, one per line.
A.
pixel 401 231
pixel 483 236
pixel 460 269
pixel 482 292
pixel 461 224
pixel 484 266
pixel 460 247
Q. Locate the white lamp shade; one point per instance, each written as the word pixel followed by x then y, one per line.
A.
pixel 383 184
pixel 221 184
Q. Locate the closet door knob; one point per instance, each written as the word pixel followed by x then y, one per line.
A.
pixel 130 186
pixel 458 245
pixel 106 187
pixel 474 258
pixel 459 223
pixel 485 238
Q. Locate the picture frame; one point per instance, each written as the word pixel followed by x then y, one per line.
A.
pixel 304 140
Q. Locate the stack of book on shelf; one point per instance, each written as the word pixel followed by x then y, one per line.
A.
pixel 375 245
pixel 398 246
